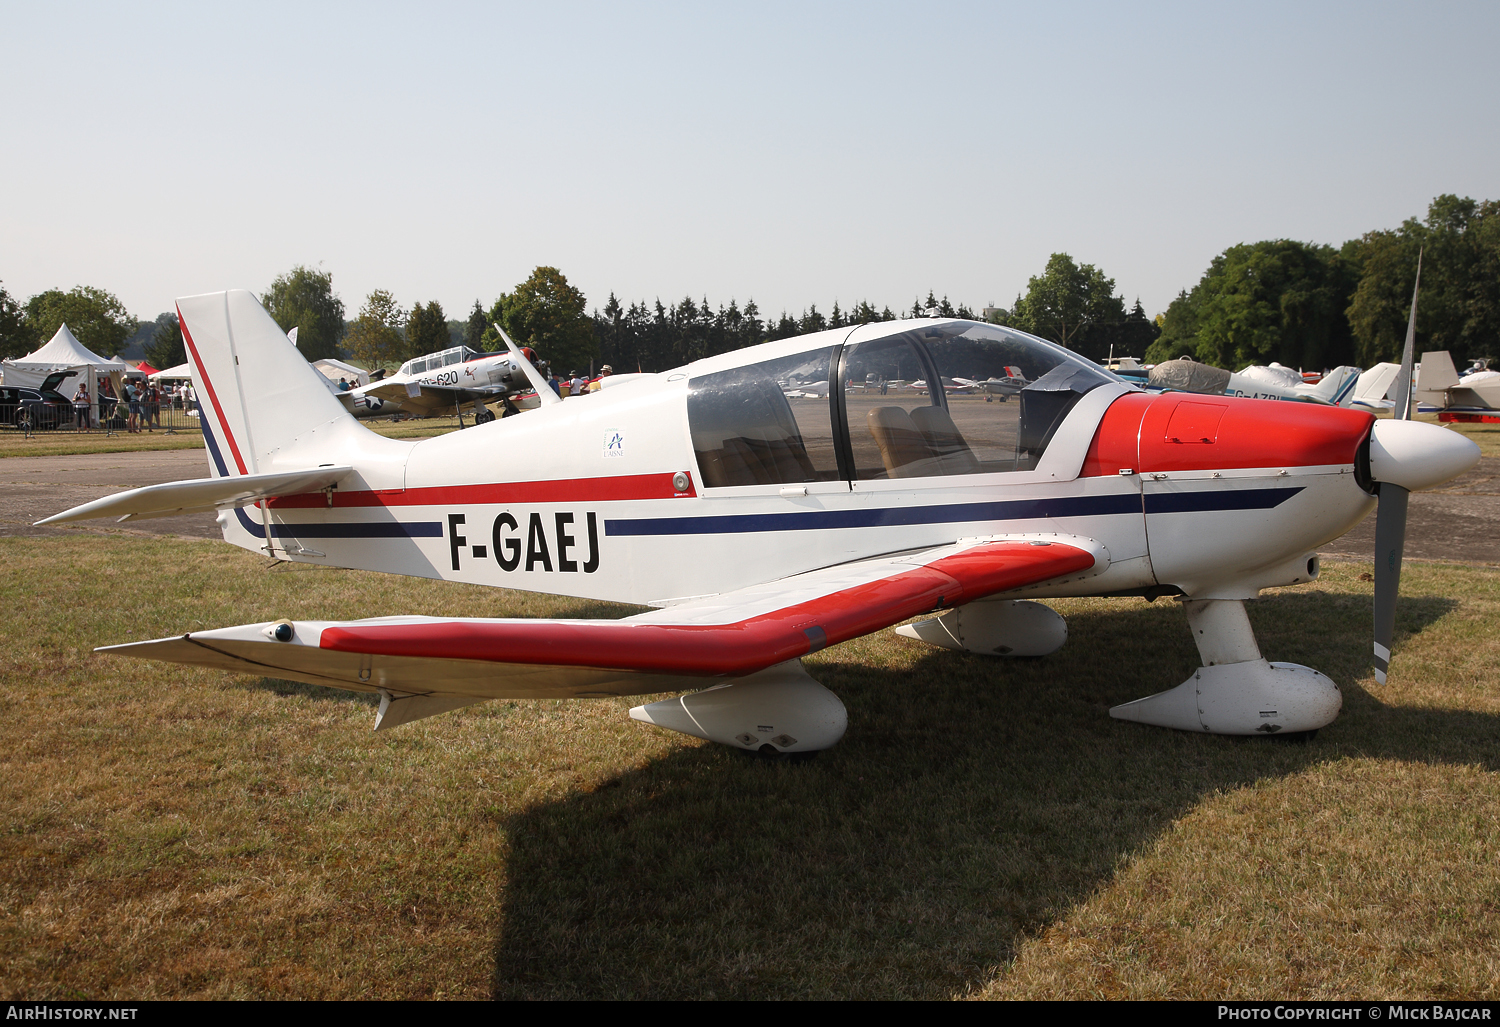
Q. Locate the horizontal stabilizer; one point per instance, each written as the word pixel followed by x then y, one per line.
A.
pixel 200 495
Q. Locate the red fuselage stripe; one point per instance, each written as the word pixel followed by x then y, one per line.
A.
pixel 724 649
pixel 212 396
pixel 566 490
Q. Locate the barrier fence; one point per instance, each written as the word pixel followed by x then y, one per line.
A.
pixel 111 417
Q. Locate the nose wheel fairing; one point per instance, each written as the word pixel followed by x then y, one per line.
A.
pixel 1236 691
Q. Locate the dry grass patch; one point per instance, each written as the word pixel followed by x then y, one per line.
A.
pixel 71 443
pixel 984 828
pixel 1358 878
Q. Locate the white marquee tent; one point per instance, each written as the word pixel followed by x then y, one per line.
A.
pixel 63 352
pixel 183 372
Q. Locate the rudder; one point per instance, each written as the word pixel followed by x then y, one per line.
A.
pixel 257 395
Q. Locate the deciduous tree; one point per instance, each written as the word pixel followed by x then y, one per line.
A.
pixel 304 299
pixel 1460 302
pixel 548 314
pixel 95 317
pixel 375 338
pixel 16 338
pixel 1277 300
pixel 1065 301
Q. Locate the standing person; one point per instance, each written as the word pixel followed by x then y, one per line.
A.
pixel 598 383
pixel 134 406
pixel 81 407
pixel 153 405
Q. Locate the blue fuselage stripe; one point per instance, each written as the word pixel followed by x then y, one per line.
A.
pixel 346 529
pixel 1230 499
pixel 1010 510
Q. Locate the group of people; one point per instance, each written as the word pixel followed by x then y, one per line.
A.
pixel 143 402
pixel 576 384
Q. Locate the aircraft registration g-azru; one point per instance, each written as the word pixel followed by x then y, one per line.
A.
pixel 762 528
pixel 1272 381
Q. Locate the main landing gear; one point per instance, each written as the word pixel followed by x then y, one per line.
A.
pixel 779 712
pixel 782 713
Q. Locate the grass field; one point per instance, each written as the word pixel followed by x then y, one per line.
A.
pixel 984 829
pixel 70 443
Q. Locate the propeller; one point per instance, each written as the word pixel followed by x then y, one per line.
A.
pixel 544 391
pixel 1390 515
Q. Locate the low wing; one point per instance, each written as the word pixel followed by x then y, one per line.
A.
pixel 200 495
pixel 685 646
pixel 425 400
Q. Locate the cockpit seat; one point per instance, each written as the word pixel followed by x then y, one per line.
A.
pixel 902 448
pixel 945 440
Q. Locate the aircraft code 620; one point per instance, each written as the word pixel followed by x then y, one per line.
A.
pixel 560 535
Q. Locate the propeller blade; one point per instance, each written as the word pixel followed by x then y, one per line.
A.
pixel 1401 390
pixel 544 392
pixel 1390 541
pixel 1390 515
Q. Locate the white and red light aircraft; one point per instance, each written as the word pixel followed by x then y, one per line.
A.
pixel 440 383
pixel 763 530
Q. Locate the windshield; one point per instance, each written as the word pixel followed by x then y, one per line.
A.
pixel 958 398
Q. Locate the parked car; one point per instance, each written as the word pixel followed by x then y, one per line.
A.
pixel 34 409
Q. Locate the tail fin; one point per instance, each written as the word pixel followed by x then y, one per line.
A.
pixel 257 396
pixel 1437 374
pixel 1375 383
pixel 1337 386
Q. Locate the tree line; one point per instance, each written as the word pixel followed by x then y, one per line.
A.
pixel 1302 304
pixel 1315 306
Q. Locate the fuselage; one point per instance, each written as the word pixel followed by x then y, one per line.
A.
pixel 708 478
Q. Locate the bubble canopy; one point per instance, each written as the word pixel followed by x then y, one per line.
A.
pixel 924 399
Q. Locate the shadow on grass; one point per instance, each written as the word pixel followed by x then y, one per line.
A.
pixel 971 803
pixel 285 688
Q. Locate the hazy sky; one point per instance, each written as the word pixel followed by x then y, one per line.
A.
pixel 794 153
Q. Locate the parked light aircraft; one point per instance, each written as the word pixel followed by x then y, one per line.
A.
pixel 1009 382
pixel 1473 397
pixel 441 383
pixel 762 530
pixel 1373 387
pixel 1273 381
